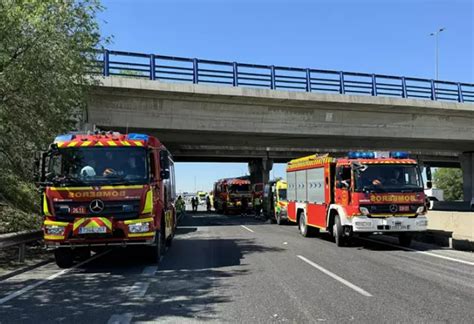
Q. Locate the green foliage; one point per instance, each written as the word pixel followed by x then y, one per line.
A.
pixel 450 180
pixel 45 54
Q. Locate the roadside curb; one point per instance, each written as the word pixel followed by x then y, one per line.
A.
pixel 445 239
pixel 16 272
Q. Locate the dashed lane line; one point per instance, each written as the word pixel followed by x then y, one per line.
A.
pixel 52 277
pixel 422 252
pixel 120 318
pixel 248 229
pixel 149 271
pixel 139 289
pixel 336 277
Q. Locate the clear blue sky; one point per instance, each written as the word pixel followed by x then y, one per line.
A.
pixel 377 36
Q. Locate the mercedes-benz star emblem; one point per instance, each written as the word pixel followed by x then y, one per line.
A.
pixel 393 208
pixel 96 206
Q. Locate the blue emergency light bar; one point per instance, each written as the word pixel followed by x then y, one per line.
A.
pixel 399 155
pixel 361 155
pixel 64 138
pixel 137 137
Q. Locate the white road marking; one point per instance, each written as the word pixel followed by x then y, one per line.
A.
pixel 335 276
pixel 422 252
pixel 139 289
pixel 120 318
pixel 57 274
pixel 248 229
pixel 150 271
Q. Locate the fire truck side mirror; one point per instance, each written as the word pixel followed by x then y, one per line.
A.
pixel 164 165
pixel 429 182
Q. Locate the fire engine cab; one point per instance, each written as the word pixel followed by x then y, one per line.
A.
pixel 358 195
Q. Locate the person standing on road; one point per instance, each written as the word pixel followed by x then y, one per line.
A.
pixel 208 203
pixel 244 206
pixel 180 207
pixel 194 203
pixel 257 206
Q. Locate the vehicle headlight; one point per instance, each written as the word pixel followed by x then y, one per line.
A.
pixel 364 211
pixel 139 227
pixel 420 210
pixel 363 224
pixel 54 230
pixel 422 222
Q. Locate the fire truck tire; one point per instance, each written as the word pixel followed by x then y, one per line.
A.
pixel 306 230
pixel 405 239
pixel 337 232
pixel 64 257
pixel 278 219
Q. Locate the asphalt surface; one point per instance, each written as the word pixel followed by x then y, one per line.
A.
pixel 241 270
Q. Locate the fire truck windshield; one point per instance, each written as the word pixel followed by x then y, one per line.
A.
pixel 239 188
pixel 114 165
pixel 388 178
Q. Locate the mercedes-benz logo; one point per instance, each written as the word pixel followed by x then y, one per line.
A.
pixel 96 206
pixel 393 208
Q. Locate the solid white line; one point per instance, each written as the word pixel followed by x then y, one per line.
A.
pixel 139 289
pixel 335 276
pixel 150 271
pixel 248 229
pixel 120 318
pixel 57 274
pixel 422 252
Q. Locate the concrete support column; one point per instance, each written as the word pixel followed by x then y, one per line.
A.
pixel 467 166
pixel 259 170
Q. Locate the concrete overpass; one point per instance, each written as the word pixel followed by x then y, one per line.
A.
pixel 215 123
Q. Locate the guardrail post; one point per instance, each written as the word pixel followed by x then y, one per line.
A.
pixel 195 71
pixel 106 62
pixel 404 88
pixel 235 71
pixel 433 90
pixel 374 85
pixel 21 253
pixel 460 96
pixel 272 77
pixel 308 80
pixel 152 67
pixel 341 81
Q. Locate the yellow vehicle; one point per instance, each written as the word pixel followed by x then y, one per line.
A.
pixel 275 201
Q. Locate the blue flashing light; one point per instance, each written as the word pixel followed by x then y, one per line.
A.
pixel 64 138
pixel 137 137
pixel 399 155
pixel 361 155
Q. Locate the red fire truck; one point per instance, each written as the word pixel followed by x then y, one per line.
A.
pixel 230 192
pixel 103 189
pixel 358 195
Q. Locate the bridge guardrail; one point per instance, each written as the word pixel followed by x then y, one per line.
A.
pixel 193 70
pixel 20 238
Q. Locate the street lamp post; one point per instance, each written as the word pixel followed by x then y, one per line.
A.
pixel 436 35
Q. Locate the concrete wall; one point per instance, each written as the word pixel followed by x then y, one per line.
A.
pixel 453 229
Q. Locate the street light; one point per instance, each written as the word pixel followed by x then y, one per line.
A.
pixel 436 33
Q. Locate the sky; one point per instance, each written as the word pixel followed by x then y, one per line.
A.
pixel 375 36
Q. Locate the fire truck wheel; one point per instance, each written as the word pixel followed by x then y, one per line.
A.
pixel 404 239
pixel 64 257
pixel 279 220
pixel 337 231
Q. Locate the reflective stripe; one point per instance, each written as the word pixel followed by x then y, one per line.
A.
pixel 141 234
pixel 54 223
pixel 78 223
pixel 71 144
pixel 125 143
pixel 54 237
pixel 60 144
pixel 138 143
pixel 86 143
pixel 111 143
pixel 148 207
pixel 45 206
pixel 140 220
pixel 99 144
pixel 92 188
pixel 107 222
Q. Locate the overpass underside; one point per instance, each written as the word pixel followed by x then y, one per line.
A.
pixel 207 123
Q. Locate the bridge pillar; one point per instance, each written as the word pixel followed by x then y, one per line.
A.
pixel 467 166
pixel 259 170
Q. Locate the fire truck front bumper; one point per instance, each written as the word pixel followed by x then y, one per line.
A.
pixel 363 224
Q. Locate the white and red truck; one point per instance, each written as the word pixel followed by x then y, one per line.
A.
pixel 358 195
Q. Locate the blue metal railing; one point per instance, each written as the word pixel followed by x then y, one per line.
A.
pixel 192 70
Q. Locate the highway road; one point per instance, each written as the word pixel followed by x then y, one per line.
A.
pixel 241 270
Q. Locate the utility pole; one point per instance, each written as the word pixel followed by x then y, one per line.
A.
pixel 436 35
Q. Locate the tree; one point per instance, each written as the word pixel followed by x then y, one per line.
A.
pixel 450 180
pixel 46 50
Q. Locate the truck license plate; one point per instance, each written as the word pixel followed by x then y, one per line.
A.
pixel 93 230
pixel 399 227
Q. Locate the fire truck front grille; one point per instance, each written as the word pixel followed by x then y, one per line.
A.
pixel 119 210
pixel 386 209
